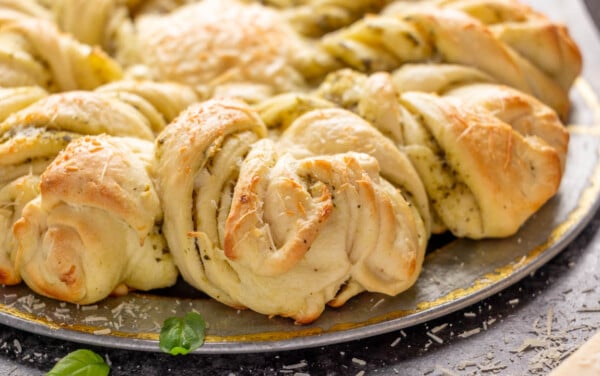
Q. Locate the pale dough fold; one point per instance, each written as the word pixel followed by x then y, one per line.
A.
pixel 227 48
pixel 529 52
pixel 95 227
pixel 31 137
pixel 33 52
pixel 488 155
pixel 282 231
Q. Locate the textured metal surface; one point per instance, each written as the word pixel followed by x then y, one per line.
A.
pixel 593 7
pixel 455 275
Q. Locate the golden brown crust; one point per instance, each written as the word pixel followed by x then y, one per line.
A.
pixel 546 44
pixel 495 171
pixel 456 140
pixel 281 230
pixel 525 114
pixel 443 31
pixel 217 43
pixel 187 153
pixel 51 59
pixel 92 173
pixel 334 131
pixel 93 226
pixel 332 202
pixel 245 220
pixel 13 197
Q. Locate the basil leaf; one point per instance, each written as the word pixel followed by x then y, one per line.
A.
pixel 80 363
pixel 180 335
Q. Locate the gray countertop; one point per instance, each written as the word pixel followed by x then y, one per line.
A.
pixel 526 329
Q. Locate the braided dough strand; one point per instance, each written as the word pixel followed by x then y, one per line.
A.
pixel 32 137
pixel 442 34
pixel 488 155
pixel 94 228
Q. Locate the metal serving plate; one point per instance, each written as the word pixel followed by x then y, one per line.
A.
pixel 456 274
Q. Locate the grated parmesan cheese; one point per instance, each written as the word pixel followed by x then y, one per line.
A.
pixel 302 364
pixel 469 333
pixel 91 319
pixel 101 332
pixel 439 328
pixel 38 306
pixel 360 362
pixel 379 302
pixel 445 372
pixel 17 345
pixel 435 338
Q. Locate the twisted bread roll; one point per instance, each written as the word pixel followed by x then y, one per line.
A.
pixel 95 228
pixel 13 9
pixel 325 227
pixel 484 178
pixel 488 155
pixel 34 53
pixel 16 98
pixel 140 7
pixel 32 137
pixel 435 78
pixel 523 112
pixel 334 131
pixel 545 43
pixel 422 32
pixel 13 197
pixel 282 233
pixel 199 153
pixel 158 102
pixel 317 17
pixel 279 111
pixel 228 48
pixel 104 23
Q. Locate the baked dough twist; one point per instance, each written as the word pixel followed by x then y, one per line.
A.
pixel 523 112
pixel 33 52
pixel 315 18
pixel 95 227
pixel 158 102
pixel 283 230
pixel 13 99
pixel 16 9
pixel 228 48
pixel 488 155
pixel 140 7
pixel 440 32
pixel 32 137
pixel 103 23
pixel 202 148
pixel 333 204
pixel 546 44
pixel 280 111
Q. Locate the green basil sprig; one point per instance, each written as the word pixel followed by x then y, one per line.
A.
pixel 180 335
pixel 80 363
